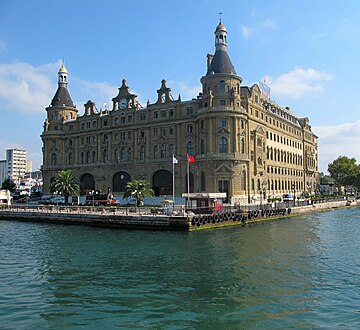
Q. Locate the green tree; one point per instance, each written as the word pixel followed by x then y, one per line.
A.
pixel 9 184
pixel 65 184
pixel 138 189
pixel 344 171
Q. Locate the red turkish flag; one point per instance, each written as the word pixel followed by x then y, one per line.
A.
pixel 191 159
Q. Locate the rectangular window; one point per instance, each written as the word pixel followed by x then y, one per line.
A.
pixel 201 124
pixel 142 133
pixel 129 118
pixel 163 131
pixel 82 125
pixel 163 113
pixel 116 120
pixel 88 124
pixel 171 112
pixel 122 119
pixel 155 115
pixel 171 130
pixel 142 116
pixel 94 124
pixel 155 131
pixel 189 110
pixel 222 122
pixel 105 122
pixel 222 103
pixel 189 128
pixel 122 135
pixel 129 135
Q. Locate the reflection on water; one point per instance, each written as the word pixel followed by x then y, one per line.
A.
pixel 296 273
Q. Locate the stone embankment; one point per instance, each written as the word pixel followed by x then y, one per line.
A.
pixel 115 218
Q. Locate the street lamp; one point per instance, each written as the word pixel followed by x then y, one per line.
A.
pixel 293 187
pixel 263 192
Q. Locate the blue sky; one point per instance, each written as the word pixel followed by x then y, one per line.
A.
pixel 307 50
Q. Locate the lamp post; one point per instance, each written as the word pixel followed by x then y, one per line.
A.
pixel 293 187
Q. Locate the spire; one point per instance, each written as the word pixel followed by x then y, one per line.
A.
pixel 63 76
pixel 62 96
pixel 220 62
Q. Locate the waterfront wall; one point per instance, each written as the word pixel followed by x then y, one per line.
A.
pixel 133 221
pixel 115 218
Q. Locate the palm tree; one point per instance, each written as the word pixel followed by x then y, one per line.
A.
pixel 138 189
pixel 65 184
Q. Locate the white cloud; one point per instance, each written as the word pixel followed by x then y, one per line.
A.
pixel 266 25
pixel 26 88
pixel 335 141
pixel 299 82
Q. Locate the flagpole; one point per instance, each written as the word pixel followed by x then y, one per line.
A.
pixel 188 180
pixel 173 163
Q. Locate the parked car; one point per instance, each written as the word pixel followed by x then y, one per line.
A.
pixel 24 199
pixel 57 200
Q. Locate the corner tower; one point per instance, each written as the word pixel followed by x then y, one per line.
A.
pixel 60 112
pixel 61 108
pixel 221 84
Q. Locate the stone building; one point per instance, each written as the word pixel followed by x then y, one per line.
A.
pixel 244 144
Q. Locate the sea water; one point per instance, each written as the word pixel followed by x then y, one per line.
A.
pixel 301 272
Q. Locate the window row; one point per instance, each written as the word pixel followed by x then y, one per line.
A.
pixel 283 156
pixel 278 138
pixel 284 171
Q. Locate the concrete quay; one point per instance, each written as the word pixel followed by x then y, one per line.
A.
pixel 120 218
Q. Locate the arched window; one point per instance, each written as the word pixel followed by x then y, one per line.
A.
pixel 202 146
pixel 259 143
pixel 87 157
pixel 243 146
pixel 252 184
pixel 129 154
pixel 243 180
pixel 116 154
pixel 222 86
pixel 122 153
pixel 82 158
pixel 258 185
pixel 171 149
pixel 142 153
pixel 223 145
pixel 94 157
pixel 53 159
pixel 163 151
pixel 105 156
pixel 155 152
pixel 190 148
pixel 70 158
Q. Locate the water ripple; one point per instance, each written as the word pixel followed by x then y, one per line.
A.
pixel 295 273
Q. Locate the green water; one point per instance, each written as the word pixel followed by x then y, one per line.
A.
pixel 301 272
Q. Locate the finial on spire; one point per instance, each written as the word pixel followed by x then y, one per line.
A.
pixel 220 13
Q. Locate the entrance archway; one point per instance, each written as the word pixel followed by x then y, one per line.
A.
pixel 87 182
pixel 162 183
pixel 120 181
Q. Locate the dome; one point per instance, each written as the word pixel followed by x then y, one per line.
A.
pixel 220 27
pixel 63 69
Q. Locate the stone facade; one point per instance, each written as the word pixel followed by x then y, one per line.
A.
pixel 244 144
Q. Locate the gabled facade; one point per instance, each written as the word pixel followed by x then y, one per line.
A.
pixel 244 144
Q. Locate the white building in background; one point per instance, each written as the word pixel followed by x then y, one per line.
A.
pixel 16 164
pixel 28 166
pixel 3 171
